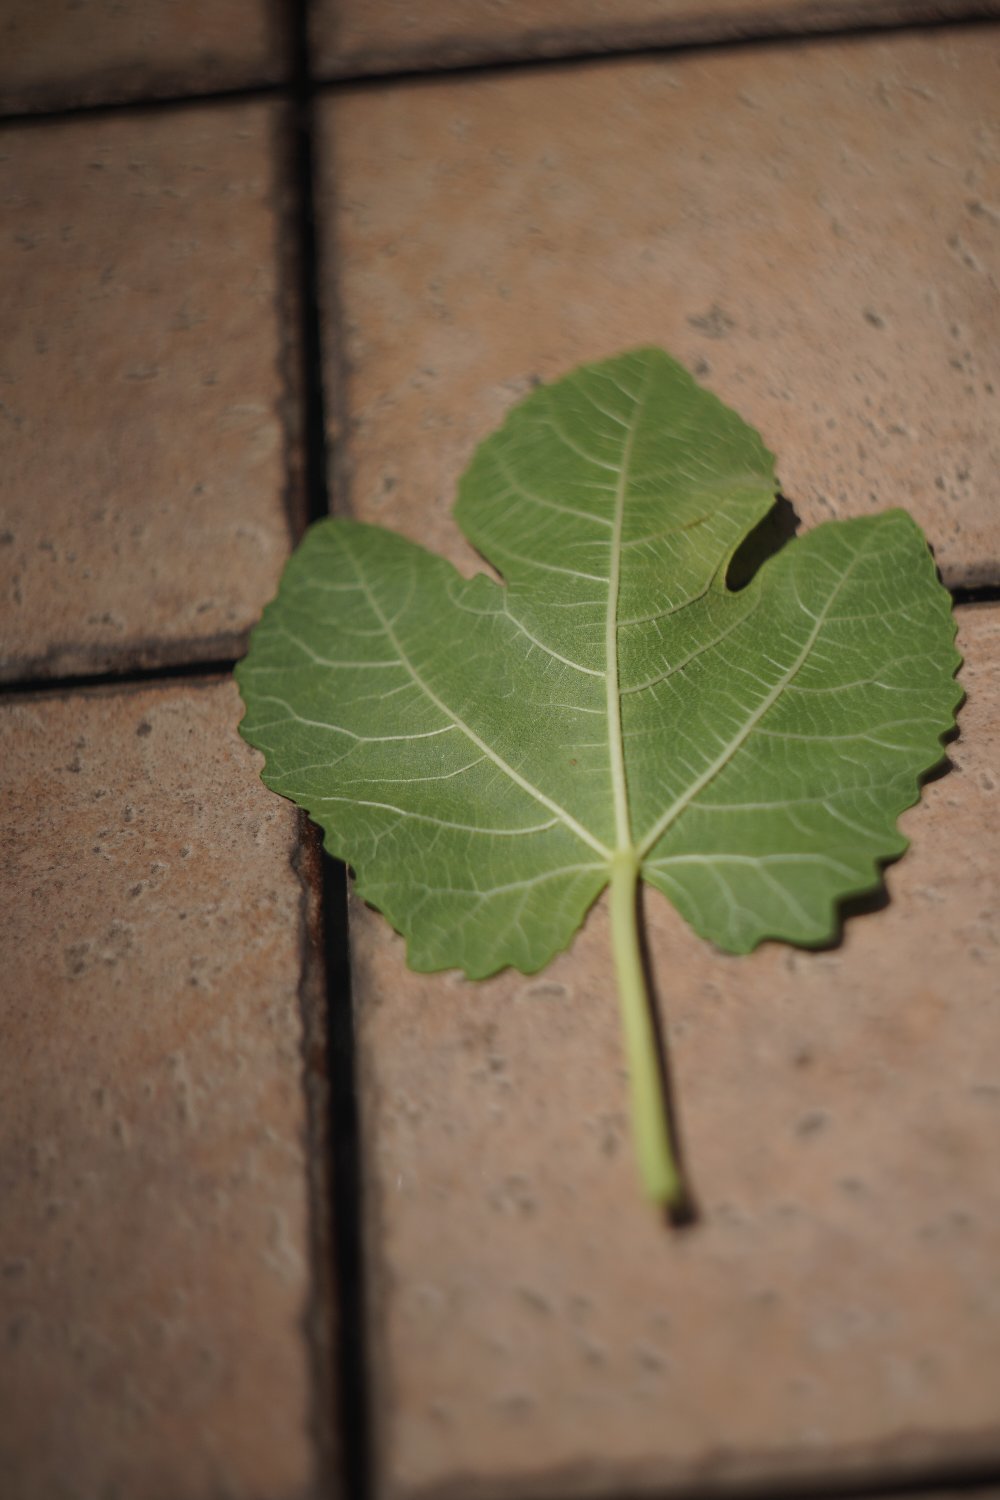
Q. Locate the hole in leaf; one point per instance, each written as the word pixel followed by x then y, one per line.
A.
pixel 765 541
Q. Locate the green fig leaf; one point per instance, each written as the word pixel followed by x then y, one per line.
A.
pixel 489 756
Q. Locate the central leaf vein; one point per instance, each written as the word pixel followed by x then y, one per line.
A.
pixel 616 747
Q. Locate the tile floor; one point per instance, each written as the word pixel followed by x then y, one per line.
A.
pixel 206 1288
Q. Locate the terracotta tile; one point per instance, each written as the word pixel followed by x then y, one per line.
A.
pixel 156 1302
pixel 360 36
pixel 834 1315
pixel 150 457
pixel 815 230
pixel 57 53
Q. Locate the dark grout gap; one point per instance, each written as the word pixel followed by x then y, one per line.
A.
pixel 617 45
pixel 984 593
pixel 351 1350
pixel 350 1414
pixel 310 328
pixel 129 677
pixel 338 363
pixel 148 104
pixel 623 44
pixel 318 1317
pixel 933 1481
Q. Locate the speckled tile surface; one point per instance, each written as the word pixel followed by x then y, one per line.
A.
pixel 150 451
pixel 814 230
pixel 59 53
pixel 380 35
pixel 156 1297
pixel 834 1314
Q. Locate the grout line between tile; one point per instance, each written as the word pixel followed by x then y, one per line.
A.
pixel 184 671
pixel 305 502
pixel 319 1321
pixel 351 1361
pixel 616 45
pixel 332 355
pixel 348 1410
pixel 986 593
pixel 939 1481
pixel 150 104
pixel 291 313
pixel 619 44
pixel 943 1479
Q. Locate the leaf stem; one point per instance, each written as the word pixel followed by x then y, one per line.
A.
pixel 658 1166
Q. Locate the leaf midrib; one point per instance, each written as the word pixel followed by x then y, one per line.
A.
pixel 616 744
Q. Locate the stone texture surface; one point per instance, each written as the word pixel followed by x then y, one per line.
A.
pixel 155 1288
pixel 55 53
pixel 833 1315
pixel 814 230
pixel 359 36
pixel 150 459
